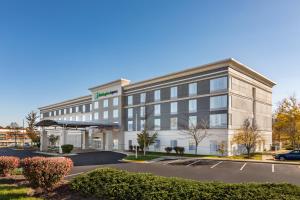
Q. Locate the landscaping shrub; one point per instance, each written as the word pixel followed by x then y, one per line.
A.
pixel 67 148
pixel 45 172
pixel 179 150
pixel 168 149
pixel 8 164
pixel 109 183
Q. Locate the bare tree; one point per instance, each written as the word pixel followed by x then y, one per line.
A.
pixel 31 129
pixel 15 131
pixel 248 136
pixel 197 131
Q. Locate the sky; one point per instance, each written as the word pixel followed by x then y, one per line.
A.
pixel 54 50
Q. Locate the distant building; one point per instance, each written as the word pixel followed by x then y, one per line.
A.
pixel 8 137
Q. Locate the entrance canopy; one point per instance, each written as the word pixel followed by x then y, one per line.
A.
pixel 76 124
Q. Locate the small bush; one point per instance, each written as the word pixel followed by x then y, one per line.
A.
pixel 67 148
pixel 130 148
pixel 8 164
pixel 45 172
pixel 168 149
pixel 109 183
pixel 179 150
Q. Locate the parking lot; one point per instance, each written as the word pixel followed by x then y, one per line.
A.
pixel 216 170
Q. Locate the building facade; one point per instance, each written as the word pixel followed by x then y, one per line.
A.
pixel 10 137
pixel 221 94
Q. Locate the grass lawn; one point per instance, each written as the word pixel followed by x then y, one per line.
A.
pixel 13 192
pixel 141 157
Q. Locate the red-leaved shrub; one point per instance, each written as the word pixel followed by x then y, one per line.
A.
pixel 7 164
pixel 45 172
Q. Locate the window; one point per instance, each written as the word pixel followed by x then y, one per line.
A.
pixel 157 144
pixel 130 125
pixel 129 143
pixel 156 95
pixel 156 124
pixel 116 113
pixel 192 89
pixel 173 108
pixel 192 145
pixel 105 115
pixel 173 92
pixel 218 120
pixel 142 124
pixel 83 108
pixel 192 121
pixel 173 143
pixel 77 118
pixel 130 112
pixel 157 110
pixel 143 97
pixel 105 103
pixel 142 111
pixel 115 101
pixel 77 109
pixel 96 105
pixel 218 102
pixel 96 116
pixel 173 123
pixel 83 118
pixel 129 100
pixel 71 118
pixel 192 105
pixel 218 84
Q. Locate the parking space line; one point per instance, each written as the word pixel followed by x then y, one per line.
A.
pixel 193 163
pixel 273 168
pixel 216 164
pixel 173 161
pixel 243 166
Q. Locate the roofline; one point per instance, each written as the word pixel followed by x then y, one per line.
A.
pixel 109 83
pixel 205 67
pixel 70 101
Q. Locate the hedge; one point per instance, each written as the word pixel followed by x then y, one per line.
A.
pixel 67 148
pixel 8 164
pixel 45 172
pixel 107 183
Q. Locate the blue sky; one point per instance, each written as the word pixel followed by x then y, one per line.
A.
pixel 55 50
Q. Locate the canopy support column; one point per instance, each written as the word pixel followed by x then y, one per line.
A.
pixel 43 140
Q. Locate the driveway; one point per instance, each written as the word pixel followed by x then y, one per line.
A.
pixel 82 159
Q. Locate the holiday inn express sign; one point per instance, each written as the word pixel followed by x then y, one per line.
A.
pixel 103 94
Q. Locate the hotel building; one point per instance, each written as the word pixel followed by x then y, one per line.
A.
pixel 223 94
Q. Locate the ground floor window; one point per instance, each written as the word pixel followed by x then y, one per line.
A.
pixel 157 145
pixel 173 143
pixel 129 143
pixel 115 144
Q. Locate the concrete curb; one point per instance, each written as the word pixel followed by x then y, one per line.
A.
pixel 55 154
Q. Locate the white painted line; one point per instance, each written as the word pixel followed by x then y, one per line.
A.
pixel 173 161
pixel 216 164
pixel 74 174
pixel 273 168
pixel 243 166
pixel 193 163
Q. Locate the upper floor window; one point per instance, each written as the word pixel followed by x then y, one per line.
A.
pixel 218 84
pixel 173 123
pixel 116 113
pixel 129 100
pixel 173 92
pixel 173 108
pixel 96 105
pixel 142 111
pixel 192 122
pixel 105 103
pixel 143 98
pixel 218 102
pixel 130 126
pixel 115 101
pixel 193 105
pixel 218 120
pixel 192 89
pixel 156 124
pixel 156 95
pixel 157 110
pixel 105 115
pixel 96 116
pixel 130 112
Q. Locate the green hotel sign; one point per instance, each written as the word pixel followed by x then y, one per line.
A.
pixel 103 94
